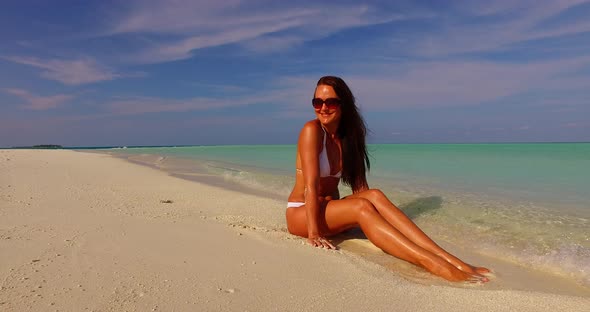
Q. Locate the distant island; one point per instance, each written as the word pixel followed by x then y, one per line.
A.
pixel 43 146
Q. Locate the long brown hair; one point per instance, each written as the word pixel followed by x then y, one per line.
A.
pixel 352 131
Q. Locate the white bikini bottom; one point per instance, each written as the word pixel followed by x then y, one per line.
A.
pixel 295 204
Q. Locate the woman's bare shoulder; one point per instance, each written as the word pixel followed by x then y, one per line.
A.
pixel 310 133
pixel 312 125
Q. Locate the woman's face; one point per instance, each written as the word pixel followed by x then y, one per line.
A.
pixel 325 114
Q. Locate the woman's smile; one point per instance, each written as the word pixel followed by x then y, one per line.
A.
pixel 327 114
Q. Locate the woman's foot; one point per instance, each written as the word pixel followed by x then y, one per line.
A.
pixel 465 267
pixel 451 273
pixel 468 268
pixel 455 275
pixel 480 270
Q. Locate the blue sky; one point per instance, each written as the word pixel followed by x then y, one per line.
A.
pixel 95 73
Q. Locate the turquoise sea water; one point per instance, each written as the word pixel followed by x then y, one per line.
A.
pixel 525 203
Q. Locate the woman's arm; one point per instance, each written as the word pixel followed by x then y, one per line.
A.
pixel 309 149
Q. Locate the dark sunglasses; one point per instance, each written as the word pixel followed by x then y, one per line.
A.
pixel 331 103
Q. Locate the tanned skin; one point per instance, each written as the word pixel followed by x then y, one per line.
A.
pixel 385 225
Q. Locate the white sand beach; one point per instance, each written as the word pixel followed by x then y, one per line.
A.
pixel 91 232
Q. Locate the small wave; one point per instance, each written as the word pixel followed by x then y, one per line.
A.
pixel 570 261
pixel 224 168
pixel 277 185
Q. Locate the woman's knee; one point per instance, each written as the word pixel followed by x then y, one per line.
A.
pixel 364 207
pixel 375 195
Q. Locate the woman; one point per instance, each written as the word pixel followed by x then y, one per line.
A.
pixel 332 147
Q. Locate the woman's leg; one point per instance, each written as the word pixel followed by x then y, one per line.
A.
pixel 408 228
pixel 343 214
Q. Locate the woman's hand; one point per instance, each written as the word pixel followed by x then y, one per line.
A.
pixel 320 242
pixel 316 239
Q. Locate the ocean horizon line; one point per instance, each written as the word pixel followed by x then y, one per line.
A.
pixel 290 144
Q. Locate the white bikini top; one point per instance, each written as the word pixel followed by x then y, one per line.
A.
pixel 325 163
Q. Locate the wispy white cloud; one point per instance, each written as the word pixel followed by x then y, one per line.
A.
pixel 192 25
pixel 493 129
pixel 69 72
pixel 142 105
pixel 412 85
pixel 445 84
pixel 34 102
pixel 175 16
pixel 182 49
pixel 572 125
pixel 463 82
pixel 223 88
pixel 225 121
pixel 518 21
pixel 273 44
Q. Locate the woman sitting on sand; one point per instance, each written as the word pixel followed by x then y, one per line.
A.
pixel 332 147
